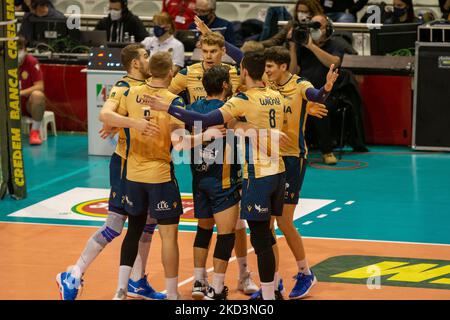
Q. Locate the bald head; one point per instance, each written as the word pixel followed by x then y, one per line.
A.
pixel 203 7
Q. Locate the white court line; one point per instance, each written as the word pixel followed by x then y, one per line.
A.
pixel 348 203
pixel 336 209
pixel 191 279
pixel 307 223
pixel 322 216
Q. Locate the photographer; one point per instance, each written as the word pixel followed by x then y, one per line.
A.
pixel 303 11
pixel 312 53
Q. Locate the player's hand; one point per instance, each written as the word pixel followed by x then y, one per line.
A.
pixel 157 102
pixel 282 137
pixel 151 129
pixel 201 26
pixel 316 110
pixel 107 131
pixel 214 132
pixel 331 78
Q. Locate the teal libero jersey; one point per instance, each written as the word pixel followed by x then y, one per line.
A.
pixel 216 161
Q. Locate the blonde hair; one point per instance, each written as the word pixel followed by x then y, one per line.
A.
pixel 212 39
pixel 165 18
pixel 252 46
pixel 160 64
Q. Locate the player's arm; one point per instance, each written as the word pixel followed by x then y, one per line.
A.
pixel 113 115
pixel 317 110
pixel 319 95
pixel 183 140
pixel 38 85
pixel 210 119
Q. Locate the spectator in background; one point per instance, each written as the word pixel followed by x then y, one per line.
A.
pixel 303 11
pixel 342 10
pixel 314 60
pixel 182 11
pixel 206 11
pixel 163 40
pixel 445 8
pixel 40 9
pixel 31 90
pixel 120 22
pixel 403 12
pixel 23 5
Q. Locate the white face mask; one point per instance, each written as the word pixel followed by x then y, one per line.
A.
pixel 316 34
pixel 21 56
pixel 115 14
pixel 302 16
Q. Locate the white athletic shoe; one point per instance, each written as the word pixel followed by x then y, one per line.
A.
pixel 121 294
pixel 247 285
pixel 199 289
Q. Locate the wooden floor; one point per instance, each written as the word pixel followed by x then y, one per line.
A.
pixel 32 255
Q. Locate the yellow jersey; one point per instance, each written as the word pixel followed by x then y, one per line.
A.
pixel 294 93
pixel 190 79
pixel 263 108
pixel 149 158
pixel 115 95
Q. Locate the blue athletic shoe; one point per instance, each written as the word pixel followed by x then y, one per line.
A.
pixel 143 290
pixel 303 285
pixel 68 285
pixel 278 293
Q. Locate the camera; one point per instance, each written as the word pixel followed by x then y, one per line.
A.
pixel 301 31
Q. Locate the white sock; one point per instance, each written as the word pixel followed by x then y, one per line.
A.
pixel 217 283
pixel 124 276
pixel 90 252
pixel 141 260
pixel 243 267
pixel 172 288
pixel 268 290
pixel 303 267
pixel 276 279
pixel 35 125
pixel 200 273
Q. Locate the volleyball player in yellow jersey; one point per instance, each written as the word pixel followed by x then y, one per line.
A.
pixel 296 92
pixel 264 178
pixel 189 81
pixel 136 62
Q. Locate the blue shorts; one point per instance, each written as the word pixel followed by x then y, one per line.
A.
pixel 263 197
pixel 295 174
pixel 210 198
pixel 117 174
pixel 159 200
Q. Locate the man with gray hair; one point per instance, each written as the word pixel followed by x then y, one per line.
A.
pixel 206 11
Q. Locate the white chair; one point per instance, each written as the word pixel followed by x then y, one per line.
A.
pixel 49 118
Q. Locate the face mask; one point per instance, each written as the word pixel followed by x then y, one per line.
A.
pixel 399 12
pixel 158 31
pixel 115 14
pixel 302 16
pixel 204 18
pixel 21 57
pixel 316 34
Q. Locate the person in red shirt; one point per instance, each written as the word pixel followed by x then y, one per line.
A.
pixel 31 90
pixel 182 11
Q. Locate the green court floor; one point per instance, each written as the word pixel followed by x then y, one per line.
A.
pixel 390 193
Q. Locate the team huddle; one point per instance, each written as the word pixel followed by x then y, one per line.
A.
pixel 239 174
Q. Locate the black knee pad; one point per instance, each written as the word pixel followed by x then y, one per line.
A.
pixel 261 236
pixel 224 246
pixel 203 238
pixel 168 221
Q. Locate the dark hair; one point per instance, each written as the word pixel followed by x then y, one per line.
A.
pixel 214 78
pixel 38 3
pixel 21 42
pixel 255 64
pixel 278 54
pixel 411 15
pixel 161 64
pixel 129 53
pixel 313 6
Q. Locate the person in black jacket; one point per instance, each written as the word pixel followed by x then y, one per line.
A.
pixel 445 8
pixel 342 10
pixel 120 21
